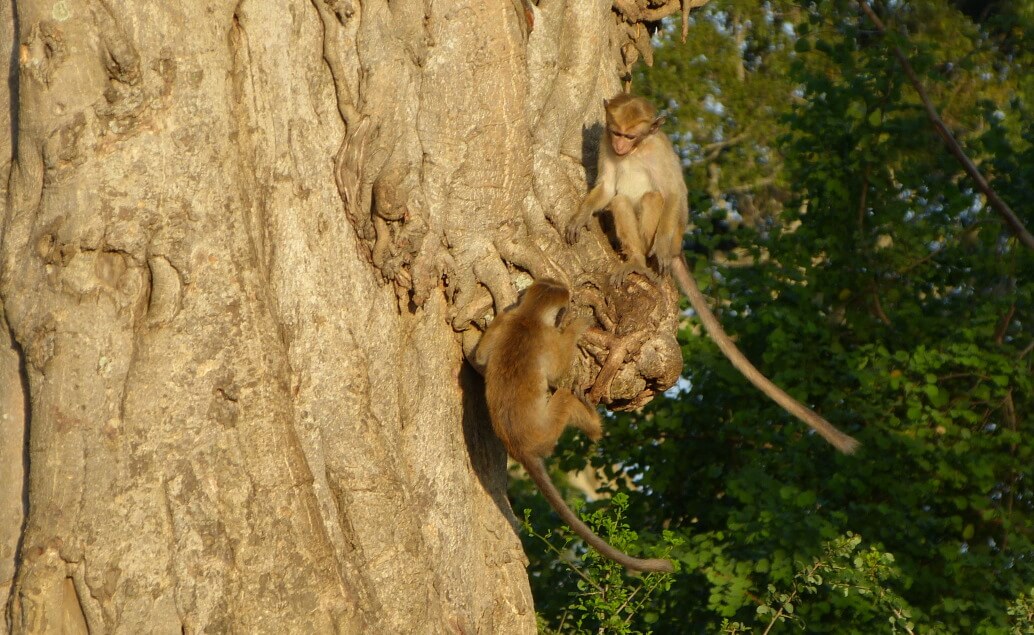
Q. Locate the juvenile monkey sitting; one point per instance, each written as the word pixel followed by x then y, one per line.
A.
pixel 524 353
pixel 639 177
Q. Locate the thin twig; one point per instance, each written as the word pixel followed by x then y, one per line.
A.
pixel 1003 325
pixel 877 306
pixel 1009 412
pixel 862 198
pixel 717 146
pixel 625 603
pixel 560 556
pixel 995 201
pixel 775 618
pixel 646 596
pixel 902 621
pixel 927 257
pixel 749 187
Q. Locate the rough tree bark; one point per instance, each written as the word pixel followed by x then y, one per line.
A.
pixel 245 249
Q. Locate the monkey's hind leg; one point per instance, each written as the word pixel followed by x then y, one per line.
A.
pixel 667 244
pixel 626 225
pixel 651 211
pixel 571 410
pixel 562 410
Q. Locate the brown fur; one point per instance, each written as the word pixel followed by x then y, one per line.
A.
pixel 647 195
pixel 524 354
pixel 640 180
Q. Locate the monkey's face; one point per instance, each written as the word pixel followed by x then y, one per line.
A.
pixel 624 139
pixel 629 121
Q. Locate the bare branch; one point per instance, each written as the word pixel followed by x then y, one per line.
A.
pixel 712 150
pixel 750 187
pixel 997 203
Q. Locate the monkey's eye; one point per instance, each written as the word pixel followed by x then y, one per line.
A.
pixel 621 134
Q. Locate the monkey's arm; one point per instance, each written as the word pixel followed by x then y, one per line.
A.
pixel 488 342
pixel 564 345
pixel 596 200
pixel 631 230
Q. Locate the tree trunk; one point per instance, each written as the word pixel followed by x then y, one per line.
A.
pixel 246 248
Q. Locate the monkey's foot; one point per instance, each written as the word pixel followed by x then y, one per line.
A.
pixel 592 426
pixel 574 228
pixel 584 398
pixel 618 278
pixel 663 267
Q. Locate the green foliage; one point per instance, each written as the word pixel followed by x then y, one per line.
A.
pixel 857 265
pixel 1021 613
pixel 605 599
pixel 840 570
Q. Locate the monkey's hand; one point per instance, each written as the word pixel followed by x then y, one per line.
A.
pixel 579 325
pixel 576 225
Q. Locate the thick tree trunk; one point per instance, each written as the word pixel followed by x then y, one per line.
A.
pixel 245 249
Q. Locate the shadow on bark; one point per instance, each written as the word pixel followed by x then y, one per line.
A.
pixel 487 456
pixel 12 80
pixel 591 136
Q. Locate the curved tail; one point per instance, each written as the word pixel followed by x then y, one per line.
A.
pixel 536 468
pixel 841 441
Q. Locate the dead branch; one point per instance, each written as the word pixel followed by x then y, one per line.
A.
pixel 971 169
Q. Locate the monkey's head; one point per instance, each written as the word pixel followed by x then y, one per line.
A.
pixel 546 298
pixel 629 121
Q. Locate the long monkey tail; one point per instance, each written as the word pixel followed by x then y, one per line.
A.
pixel 841 441
pixel 536 468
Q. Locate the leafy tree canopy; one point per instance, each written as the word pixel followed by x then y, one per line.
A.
pixel 860 268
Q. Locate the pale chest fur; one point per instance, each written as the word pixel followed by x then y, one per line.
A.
pixel 633 178
pixel 647 169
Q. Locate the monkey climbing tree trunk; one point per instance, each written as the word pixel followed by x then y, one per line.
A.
pixel 246 249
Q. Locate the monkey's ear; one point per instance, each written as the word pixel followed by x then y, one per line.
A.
pixel 657 123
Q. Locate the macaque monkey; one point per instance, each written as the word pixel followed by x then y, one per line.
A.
pixel 640 179
pixel 524 353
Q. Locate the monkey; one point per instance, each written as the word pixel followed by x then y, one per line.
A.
pixel 523 353
pixel 640 179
